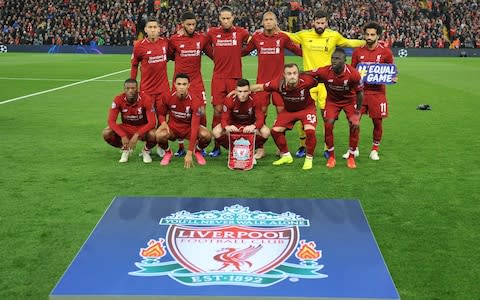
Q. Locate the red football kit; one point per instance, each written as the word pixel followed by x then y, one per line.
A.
pixel 375 101
pixel 227 57
pixel 183 116
pixel 138 117
pixel 271 58
pixel 152 57
pixel 241 114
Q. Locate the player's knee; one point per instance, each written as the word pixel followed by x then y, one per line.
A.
pixel 107 133
pixel 217 131
pixel 205 134
pixel 151 138
pixel 161 135
pixel 308 127
pixel 265 132
pixel 278 129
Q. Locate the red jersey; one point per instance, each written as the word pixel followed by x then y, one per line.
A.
pixel 227 51
pixel 294 99
pixel 153 59
pixel 341 88
pixel 271 54
pixel 240 113
pixel 187 53
pixel 183 111
pixel 379 55
pixel 141 114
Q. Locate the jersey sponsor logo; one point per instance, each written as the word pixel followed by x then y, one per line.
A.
pixel 234 246
pixel 377 73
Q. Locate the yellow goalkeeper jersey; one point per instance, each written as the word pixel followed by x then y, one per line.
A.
pixel 317 49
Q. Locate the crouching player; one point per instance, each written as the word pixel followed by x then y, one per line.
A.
pixel 184 113
pixel 138 122
pixel 242 112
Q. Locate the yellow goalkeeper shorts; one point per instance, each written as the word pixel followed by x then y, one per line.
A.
pixel 319 95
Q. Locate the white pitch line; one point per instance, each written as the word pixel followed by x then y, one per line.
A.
pixel 61 87
pixel 56 79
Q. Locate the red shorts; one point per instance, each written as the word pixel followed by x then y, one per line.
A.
pixel 307 116
pixel 332 110
pixel 264 98
pixel 220 89
pixel 179 130
pixel 131 130
pixel 375 105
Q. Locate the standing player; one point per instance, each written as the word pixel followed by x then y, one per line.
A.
pixel 270 46
pixel 186 49
pixel 184 112
pixel 296 105
pixel 344 92
pixel 318 45
pixel 138 122
pixel 375 102
pixel 242 112
pixel 227 42
pixel 151 54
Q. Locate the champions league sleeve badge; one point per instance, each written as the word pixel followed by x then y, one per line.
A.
pixel 235 246
pixel 377 73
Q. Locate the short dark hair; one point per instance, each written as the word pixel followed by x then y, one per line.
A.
pixel 227 9
pixel 373 25
pixel 130 80
pixel 152 19
pixel 340 50
pixel 188 15
pixel 318 14
pixel 243 82
pixel 182 75
pixel 290 65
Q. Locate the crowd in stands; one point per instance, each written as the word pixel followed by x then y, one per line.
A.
pixel 407 23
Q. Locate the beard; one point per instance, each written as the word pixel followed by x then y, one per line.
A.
pixel 319 30
pixel 371 42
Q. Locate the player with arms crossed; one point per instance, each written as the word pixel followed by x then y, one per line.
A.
pixel 138 122
pixel 184 111
pixel 186 49
pixel 227 42
pixel 375 101
pixel 151 55
pixel 242 113
pixel 344 92
pixel 270 45
pixel 318 45
pixel 296 105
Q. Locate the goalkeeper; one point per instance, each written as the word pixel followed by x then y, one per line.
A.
pixel 318 44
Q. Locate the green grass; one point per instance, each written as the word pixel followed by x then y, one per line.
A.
pixel 57 175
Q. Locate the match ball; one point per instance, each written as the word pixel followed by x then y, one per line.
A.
pixel 254 53
pixel 403 53
pixel 3 49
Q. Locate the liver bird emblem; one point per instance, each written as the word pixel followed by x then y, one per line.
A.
pixel 236 258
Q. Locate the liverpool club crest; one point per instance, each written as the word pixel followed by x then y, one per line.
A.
pixel 234 246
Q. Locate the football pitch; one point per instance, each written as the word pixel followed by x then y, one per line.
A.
pixel 58 175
